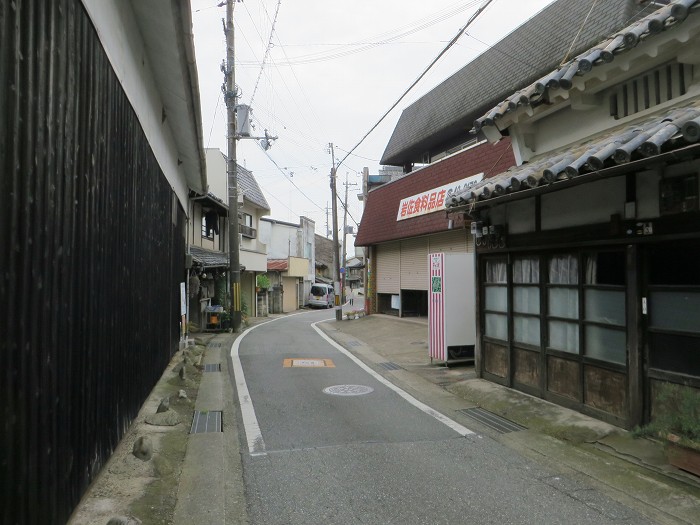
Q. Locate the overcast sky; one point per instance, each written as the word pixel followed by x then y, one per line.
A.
pixel 333 69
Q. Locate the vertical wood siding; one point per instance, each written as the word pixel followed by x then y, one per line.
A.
pixel 91 254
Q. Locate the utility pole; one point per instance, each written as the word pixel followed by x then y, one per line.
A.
pixel 345 236
pixel 336 251
pixel 232 173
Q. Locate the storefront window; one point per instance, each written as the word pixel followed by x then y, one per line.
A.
pixel 526 300
pixel 496 299
pixel 604 310
pixel 563 303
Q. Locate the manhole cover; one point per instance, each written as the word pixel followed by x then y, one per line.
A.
pixel 348 390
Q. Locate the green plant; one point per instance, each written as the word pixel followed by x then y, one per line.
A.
pixel 262 280
pixel 676 415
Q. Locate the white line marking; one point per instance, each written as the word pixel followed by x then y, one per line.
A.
pixel 461 430
pixel 256 444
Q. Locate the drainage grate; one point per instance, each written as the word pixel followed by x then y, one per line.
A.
pixel 216 367
pixel 491 420
pixel 206 421
pixel 214 345
pixel 390 366
pixel 353 343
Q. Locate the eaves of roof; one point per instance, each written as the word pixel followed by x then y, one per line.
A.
pixel 208 258
pixel 562 77
pixel 277 265
pixel 517 60
pixel 671 132
pixel 379 222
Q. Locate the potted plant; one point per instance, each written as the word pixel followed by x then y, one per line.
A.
pixel 262 282
pixel 676 421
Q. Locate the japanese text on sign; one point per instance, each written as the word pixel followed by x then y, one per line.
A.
pixel 434 199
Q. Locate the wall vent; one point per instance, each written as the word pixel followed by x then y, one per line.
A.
pixel 660 85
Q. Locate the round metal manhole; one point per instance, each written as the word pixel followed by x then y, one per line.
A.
pixel 348 390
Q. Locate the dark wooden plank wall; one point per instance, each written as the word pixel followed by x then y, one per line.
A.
pixel 92 253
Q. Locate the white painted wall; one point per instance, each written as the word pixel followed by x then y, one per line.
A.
pixel 120 36
pixel 216 173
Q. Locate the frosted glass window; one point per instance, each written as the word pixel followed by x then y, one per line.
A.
pixel 603 306
pixel 497 298
pixel 496 325
pixel 496 271
pixel 563 336
pixel 676 311
pixel 563 269
pixel 563 302
pixel 526 270
pixel 526 330
pixel 606 344
pixel 526 299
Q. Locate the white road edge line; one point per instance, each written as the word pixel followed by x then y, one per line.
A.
pixel 256 444
pixel 461 430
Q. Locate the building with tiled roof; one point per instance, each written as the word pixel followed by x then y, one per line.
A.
pixel 585 232
pixel 207 240
pixel 588 288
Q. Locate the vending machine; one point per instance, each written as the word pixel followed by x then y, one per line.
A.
pixel 451 307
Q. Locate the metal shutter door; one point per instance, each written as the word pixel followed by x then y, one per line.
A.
pixel 388 268
pixel 455 241
pixel 414 264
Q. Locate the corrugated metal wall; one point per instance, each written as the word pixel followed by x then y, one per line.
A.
pixel 389 268
pixel 414 264
pixel 92 251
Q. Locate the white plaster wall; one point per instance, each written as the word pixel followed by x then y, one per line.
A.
pixel 120 36
pixel 590 203
pixel 216 173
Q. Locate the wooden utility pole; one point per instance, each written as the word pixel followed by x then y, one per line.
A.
pixel 336 250
pixel 232 173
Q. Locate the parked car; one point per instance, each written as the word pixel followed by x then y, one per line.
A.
pixel 321 296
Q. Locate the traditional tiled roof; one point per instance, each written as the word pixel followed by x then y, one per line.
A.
pixel 669 130
pixel 533 49
pixel 277 265
pixel 379 222
pixel 250 188
pixel 603 53
pixel 208 258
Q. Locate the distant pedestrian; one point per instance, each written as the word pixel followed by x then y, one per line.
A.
pixel 351 295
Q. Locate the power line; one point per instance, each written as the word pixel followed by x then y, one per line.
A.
pixel 440 55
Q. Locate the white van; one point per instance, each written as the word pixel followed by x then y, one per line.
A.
pixel 321 296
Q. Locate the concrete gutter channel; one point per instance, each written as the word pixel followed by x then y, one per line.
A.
pixel 206 487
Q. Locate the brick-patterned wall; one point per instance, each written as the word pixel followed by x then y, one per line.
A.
pixel 379 222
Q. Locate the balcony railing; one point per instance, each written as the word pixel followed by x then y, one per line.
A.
pixel 247 231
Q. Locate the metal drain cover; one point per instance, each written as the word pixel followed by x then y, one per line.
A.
pixel 206 421
pixel 212 367
pixel 390 366
pixel 491 420
pixel 348 390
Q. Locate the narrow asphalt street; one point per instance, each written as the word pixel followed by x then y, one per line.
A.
pixel 328 440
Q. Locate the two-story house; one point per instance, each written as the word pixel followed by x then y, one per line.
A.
pixel 291 261
pixel 208 240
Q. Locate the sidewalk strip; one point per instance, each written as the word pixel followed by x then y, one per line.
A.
pixel 461 430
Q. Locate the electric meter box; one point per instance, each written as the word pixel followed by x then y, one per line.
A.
pixel 451 307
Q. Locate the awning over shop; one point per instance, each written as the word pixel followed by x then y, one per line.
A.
pixel 668 133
